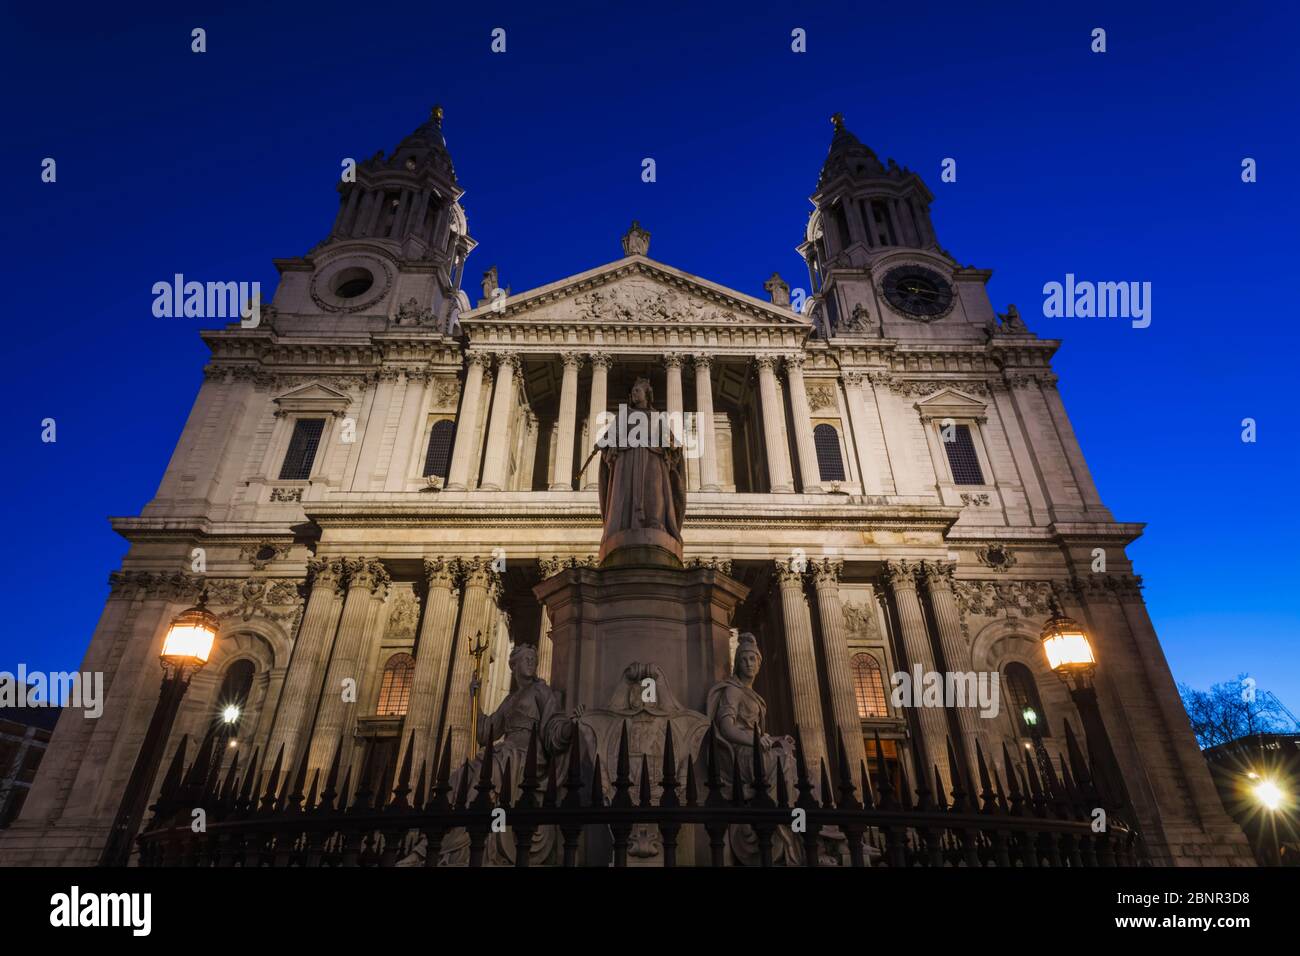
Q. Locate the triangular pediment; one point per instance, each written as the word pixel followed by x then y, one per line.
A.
pixel 635 291
pixel 313 397
pixel 951 403
pixel 312 391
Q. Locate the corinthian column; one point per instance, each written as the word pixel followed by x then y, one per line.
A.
pixel 809 470
pixel 956 655
pixel 431 656
pixel 673 375
pixel 463 455
pixel 931 721
pixel 801 658
pixel 600 363
pixel 562 479
pixel 498 436
pixel 835 651
pixel 480 588
pixel 778 456
pixel 366 578
pixel 704 428
pixel 303 680
pixel 868 439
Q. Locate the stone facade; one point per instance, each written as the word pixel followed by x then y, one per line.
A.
pixel 888 469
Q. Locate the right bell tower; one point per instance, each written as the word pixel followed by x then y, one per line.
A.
pixel 875 265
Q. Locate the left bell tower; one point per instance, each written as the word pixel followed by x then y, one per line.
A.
pixel 398 244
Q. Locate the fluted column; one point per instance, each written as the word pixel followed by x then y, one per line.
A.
pixel 432 654
pixel 562 478
pixel 801 658
pixel 956 655
pixel 778 456
pixel 600 363
pixel 835 651
pixel 809 470
pixel 498 435
pixel 366 578
pixel 302 682
pixel 463 454
pixel 932 721
pixel 673 376
pixel 480 587
pixel 704 415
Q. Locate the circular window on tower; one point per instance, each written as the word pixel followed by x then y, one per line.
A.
pixel 351 283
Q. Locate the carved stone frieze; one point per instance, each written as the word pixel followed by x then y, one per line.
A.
pixel 821 396
pixel 261 554
pixel 555 564
pixel 714 562
pixel 860 620
pixel 999 557
pixel 1014 598
pixel 404 617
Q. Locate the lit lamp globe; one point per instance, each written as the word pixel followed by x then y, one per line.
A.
pixel 1068 650
pixel 1031 717
pixel 190 638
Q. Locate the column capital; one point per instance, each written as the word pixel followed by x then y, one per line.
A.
pixel 572 359
pixel 702 360
pixel 325 573
pixel 508 360
pixel 368 573
pixel 479 571
pixel 673 360
pixel 439 573
pixel 938 574
pixel 601 359
pixel 901 574
pixel 794 362
pixel 789 572
pixel 853 379
pixel 768 362
pixel 826 572
pixel 481 359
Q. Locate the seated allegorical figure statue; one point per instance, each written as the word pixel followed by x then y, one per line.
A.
pixel 735 710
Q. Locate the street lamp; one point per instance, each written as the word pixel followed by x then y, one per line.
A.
pixel 1271 797
pixel 185 650
pixel 1030 717
pixel 1071 658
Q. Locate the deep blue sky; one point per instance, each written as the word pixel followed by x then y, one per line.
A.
pixel 1122 166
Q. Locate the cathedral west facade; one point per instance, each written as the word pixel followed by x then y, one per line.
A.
pixel 378 478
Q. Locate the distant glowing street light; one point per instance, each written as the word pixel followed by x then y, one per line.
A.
pixel 1269 794
pixel 230 714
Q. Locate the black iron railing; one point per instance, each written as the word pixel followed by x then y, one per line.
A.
pixel 881 822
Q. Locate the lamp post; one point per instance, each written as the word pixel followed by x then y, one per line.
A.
pixel 185 650
pixel 1070 656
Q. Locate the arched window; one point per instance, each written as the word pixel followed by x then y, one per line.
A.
pixel 395 688
pixel 439 453
pixel 232 699
pixel 1023 692
pixel 829 460
pixel 868 686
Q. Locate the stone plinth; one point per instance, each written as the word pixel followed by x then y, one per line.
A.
pixel 603 619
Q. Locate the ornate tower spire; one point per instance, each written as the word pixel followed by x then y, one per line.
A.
pixel 864 209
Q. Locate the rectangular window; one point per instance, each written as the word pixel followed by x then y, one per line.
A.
pixel 884 224
pixel 301 456
pixel 963 461
pixel 438 457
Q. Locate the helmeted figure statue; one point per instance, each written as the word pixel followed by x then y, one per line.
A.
pixel 642 482
pixel 735 710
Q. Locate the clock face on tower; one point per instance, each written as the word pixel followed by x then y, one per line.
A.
pixel 918 293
